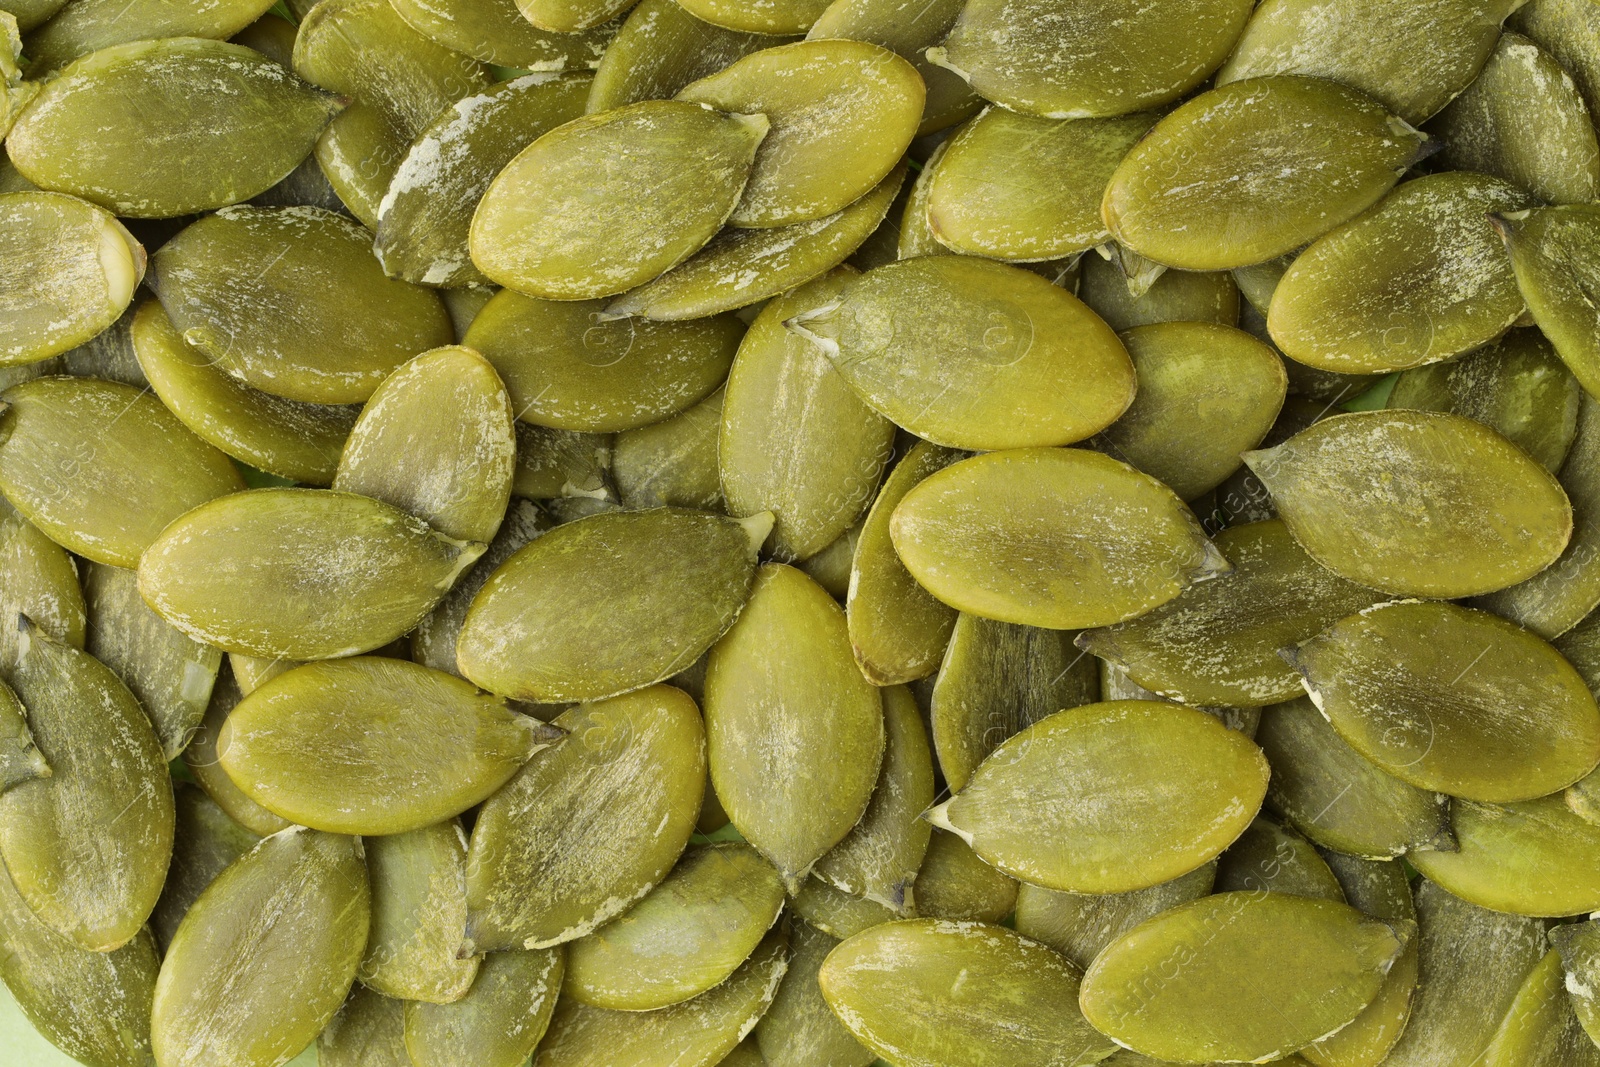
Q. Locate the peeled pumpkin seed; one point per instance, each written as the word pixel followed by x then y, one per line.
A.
pixel 67 270
pixel 1579 947
pixel 1176 296
pixel 266 293
pixel 106 769
pixel 842 115
pixel 555 463
pixel 30 13
pixel 957 530
pixel 1218 642
pixel 500 1020
pixel 495 31
pixel 1541 1029
pixel 671 463
pixel 760 16
pixel 830 568
pixel 426 215
pixel 916 236
pixel 170 674
pixel 799 1029
pixel 907 28
pixel 587 829
pixel 1455 700
pixel 1555 252
pixel 565 219
pixel 1207 1006
pixel 205 767
pixel 837 913
pixel 1079 925
pixel 659 587
pixel 697 1031
pixel 570 367
pixel 1055 780
pixel 686 936
pixel 795 735
pixel 1335 796
pixel 419 908
pixel 94 1006
pixel 20 758
pixel 1458 509
pixel 205 843
pixel 1533 858
pixel 1231 178
pixel 997 679
pixel 263 960
pixel 100 467
pixel 998 998
pixel 1570 32
pixel 796 440
pixel 570 16
pixel 369 1031
pixel 955 884
pixel 1268 858
pixel 232 123
pixel 1418 279
pixel 88 27
pixel 661 48
pixel 970 353
pixel 253 672
pixel 37 579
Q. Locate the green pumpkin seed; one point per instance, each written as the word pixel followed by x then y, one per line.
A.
pixel 586 830
pixel 1570 32
pixel 799 1029
pixel 204 765
pixel 1583 797
pixel 1471 964
pixel 357 157
pixel 369 1031
pixel 997 679
pixel 419 908
pixel 762 16
pixel 837 913
pixel 232 123
pixel 1079 925
pixel 973 354
pixel 795 734
pixel 898 631
pixel 908 29
pixel 565 219
pixel 1455 700
pixel 1579 947
pixel 30 13
pixel 495 31
pixel 1062 60
pixel 37 579
pixel 671 463
pixel 1335 796
pixel 88 27
pixel 661 48
pixel 311 267
pixel 1073 767
pixel 1230 179
pixel 1116 685
pixel 1418 279
pixel 1268 858
pixel 842 114
pixel 1420 58
pixel 425 217
pixel 923 990
pixel 1542 1029
pixel 662 585
pixel 698 1031
pixel 263 960
pixel 106 768
pixel 955 884
pixel 916 236
pixel 880 857
pixel 170 674
pixel 94 1006
pixel 20 759
pixel 796 440
pixel 204 844
pixel 689 934
pixel 1176 296
pixel 500 1020
pixel 70 271
pixel 414 746
pixel 1458 510
pixel 570 367
pixel 1329 959
pixel 953 531
pixel 1533 858
pixel 570 16
pixel 555 463
pixel 253 672
pixel 1554 253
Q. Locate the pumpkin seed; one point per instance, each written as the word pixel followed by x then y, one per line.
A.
pixel 973 354
pixel 1079 925
pixel 568 366
pixel 20 759
pixel 842 114
pixel 202 761
pixel 763 16
pixel 1104 542
pixel 419 908
pixel 661 48
pixel 1176 296
pixel 795 734
pixel 837 913
pixel 216 277
pixel 1533 858
pixel 98 24
pixel 671 463
pixel 555 463
pixel 225 993
pixel 907 29
pixel 686 936
pixel 495 31
pixel 1073 769
pixel 425 217
pixel 660 585
pixel 1579 947
pixel 37 579
pixel 1116 685
pixel 31 13
pixel 916 236
pixel 799 1029
pixel 500 1020
pixel 1571 33
pixel 369 1031
pixel 1542 1029
pixel 990 996
pixel 1553 251
pixel 370 745
pixel 1230 179
pixel 299 573
pixel 1268 858
pixel 955 884
pixel 204 844
pixel 1458 510
pixel 253 672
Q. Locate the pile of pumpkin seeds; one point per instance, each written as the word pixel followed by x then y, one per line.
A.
pixel 1016 533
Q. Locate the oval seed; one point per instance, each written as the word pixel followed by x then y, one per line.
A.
pixel 311 267
pixel 1542 1029
pixel 974 354
pixel 671 463
pixel 419 909
pixel 1458 511
pixel 500 1020
pixel 1079 925
pixel 1006 535
pixel 907 28
pixel 1555 252
pixel 795 735
pixel 570 16
pixel 1579 947
pixel 495 31
pixel 20 758
pixel 1268 858
pixel 1230 178
pixel 101 23
pixel 769 17
pixel 799 1029
pixel 37 579
pixel 1073 768
pixel 205 843
pixel 997 997
pixel 1176 296
pixel 689 934
pixel 837 913
pixel 369 1031
pixel 201 760
pixel 264 958
pixel 661 48
pixel 955 884
pixel 1532 858
pixel 916 236
pixel 1569 32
